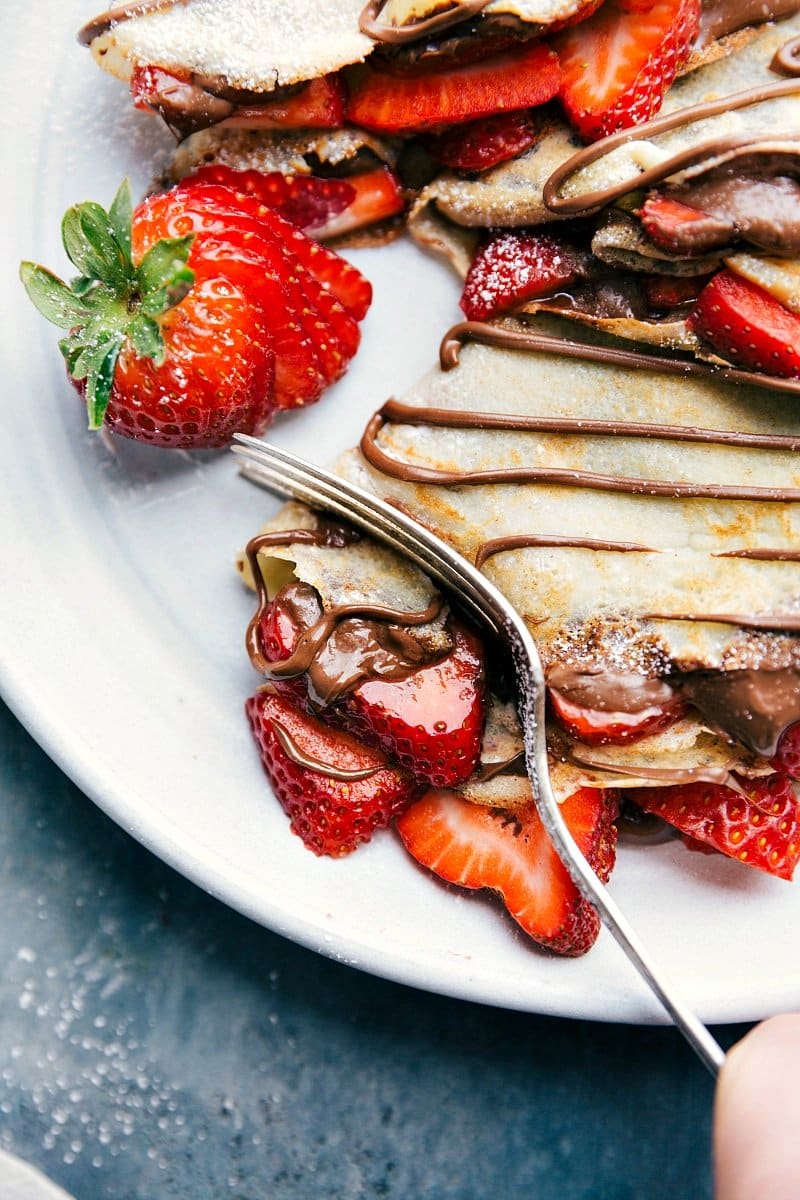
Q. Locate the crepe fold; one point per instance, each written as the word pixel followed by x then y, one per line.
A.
pixel 453 206
pixel 256 46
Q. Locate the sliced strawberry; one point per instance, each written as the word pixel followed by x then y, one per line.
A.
pixel 479 847
pixel 682 229
pixel 747 326
pixel 306 200
pixel 597 727
pixel 515 266
pixel 618 65
pixel 294 609
pixel 336 791
pixel 230 239
pixel 197 397
pixel 479 145
pixel 673 291
pixel 377 196
pixel 431 721
pixel 787 760
pixel 518 78
pixel 333 272
pixel 760 828
pixel 319 105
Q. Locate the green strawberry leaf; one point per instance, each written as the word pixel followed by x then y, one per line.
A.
pixel 54 299
pixel 90 242
pixel 147 339
pixel 163 276
pixel 120 216
pixel 100 378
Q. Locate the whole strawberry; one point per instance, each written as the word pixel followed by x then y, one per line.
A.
pixel 198 314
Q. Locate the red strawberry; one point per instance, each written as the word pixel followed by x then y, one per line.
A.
pixel 515 266
pixel 245 248
pixel 294 609
pixel 787 760
pixel 334 273
pixel 510 853
pixel 518 78
pixel 747 326
pixel 197 396
pixel 302 759
pixel 597 727
pixel 760 828
pixel 322 208
pixel 682 229
pixel 618 65
pixel 479 145
pixel 136 266
pixel 318 105
pixel 186 106
pixel 431 722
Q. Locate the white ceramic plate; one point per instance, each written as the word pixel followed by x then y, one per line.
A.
pixel 121 624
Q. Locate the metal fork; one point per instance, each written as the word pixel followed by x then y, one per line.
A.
pixel 287 475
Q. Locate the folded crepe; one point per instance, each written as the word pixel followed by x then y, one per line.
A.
pixel 644 522
pixel 725 143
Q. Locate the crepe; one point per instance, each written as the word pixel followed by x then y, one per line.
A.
pixel 723 137
pixel 256 46
pixel 646 548
pixel 512 194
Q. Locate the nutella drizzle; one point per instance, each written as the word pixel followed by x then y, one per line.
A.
pixel 486 334
pixel 299 756
pixel 521 541
pixel 587 203
pixel 396 35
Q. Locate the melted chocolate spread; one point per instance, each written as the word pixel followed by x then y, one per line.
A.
pixel 722 17
pixel 755 707
pixel 339 646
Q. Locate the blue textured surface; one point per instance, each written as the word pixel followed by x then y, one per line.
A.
pixel 154 1044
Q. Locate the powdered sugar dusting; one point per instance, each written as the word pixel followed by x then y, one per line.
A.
pixel 258 45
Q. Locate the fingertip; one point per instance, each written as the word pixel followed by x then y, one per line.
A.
pixel 757 1115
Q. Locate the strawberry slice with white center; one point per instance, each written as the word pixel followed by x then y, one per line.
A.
pixel 518 78
pixel 515 266
pixel 618 65
pixel 511 854
pixel 747 326
pixel 760 827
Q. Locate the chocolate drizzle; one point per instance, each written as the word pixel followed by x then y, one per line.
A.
pixel 561 476
pixel 587 203
pixel 521 541
pixel 486 334
pixel 719 18
pixel 396 35
pixel 342 645
pixel 299 756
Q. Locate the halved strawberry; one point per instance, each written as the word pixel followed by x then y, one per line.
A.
pixel 517 265
pixel 682 229
pixel 479 847
pixel 479 145
pixel 760 828
pixel 336 791
pixel 618 65
pixel 518 78
pixel 596 727
pixel 431 721
pixel 747 326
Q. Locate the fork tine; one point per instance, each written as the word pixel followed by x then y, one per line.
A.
pixel 288 475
